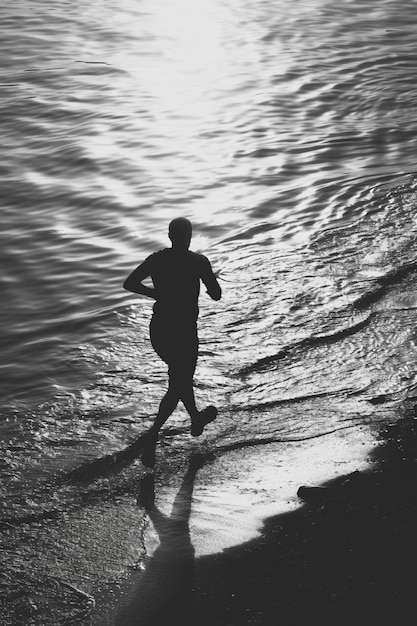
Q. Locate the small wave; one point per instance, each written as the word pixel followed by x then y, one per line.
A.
pixel 293 400
pixel 105 465
pixel 309 342
pixel 381 285
pixel 250 443
pixel 29 518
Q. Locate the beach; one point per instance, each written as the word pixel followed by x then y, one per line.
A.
pixel 346 556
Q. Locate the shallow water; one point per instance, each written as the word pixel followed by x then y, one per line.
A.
pixel 286 132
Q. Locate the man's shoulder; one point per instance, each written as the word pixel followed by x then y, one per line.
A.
pixel 166 256
pixel 158 256
pixel 198 258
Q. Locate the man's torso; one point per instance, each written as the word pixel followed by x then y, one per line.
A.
pixel 176 278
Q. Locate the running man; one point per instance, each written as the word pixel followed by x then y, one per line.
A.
pixel 176 273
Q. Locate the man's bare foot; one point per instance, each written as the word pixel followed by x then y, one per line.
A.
pixel 206 416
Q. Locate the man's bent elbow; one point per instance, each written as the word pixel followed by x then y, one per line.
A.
pixel 128 285
pixel 216 294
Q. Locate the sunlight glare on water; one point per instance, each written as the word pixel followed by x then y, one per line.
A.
pixel 197 59
pixel 286 131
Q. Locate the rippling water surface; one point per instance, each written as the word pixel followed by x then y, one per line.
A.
pixel 286 131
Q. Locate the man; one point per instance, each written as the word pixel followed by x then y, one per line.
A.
pixel 176 273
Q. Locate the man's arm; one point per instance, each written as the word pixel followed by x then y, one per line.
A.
pixel 210 280
pixel 134 282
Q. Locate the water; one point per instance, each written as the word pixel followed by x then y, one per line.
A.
pixel 286 132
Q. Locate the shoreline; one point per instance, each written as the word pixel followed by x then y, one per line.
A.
pixel 345 557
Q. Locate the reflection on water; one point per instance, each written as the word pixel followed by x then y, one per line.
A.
pixel 164 592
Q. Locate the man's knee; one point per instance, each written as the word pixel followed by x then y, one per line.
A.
pixel 180 379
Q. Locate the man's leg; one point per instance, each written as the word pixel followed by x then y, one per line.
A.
pixel 199 419
pixel 161 343
pixel 182 371
pixel 186 394
pixel 180 387
pixel 180 352
pixel 167 406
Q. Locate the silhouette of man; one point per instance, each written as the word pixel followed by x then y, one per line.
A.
pixel 176 273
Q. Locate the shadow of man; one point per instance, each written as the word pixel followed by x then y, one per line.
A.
pixel 165 592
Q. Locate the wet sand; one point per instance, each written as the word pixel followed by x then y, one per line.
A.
pixel 346 557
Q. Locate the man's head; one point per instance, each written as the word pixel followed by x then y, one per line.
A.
pixel 180 232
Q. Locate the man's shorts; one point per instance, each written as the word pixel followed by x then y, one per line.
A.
pixel 176 344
